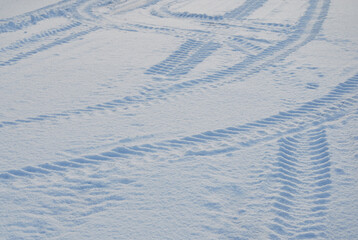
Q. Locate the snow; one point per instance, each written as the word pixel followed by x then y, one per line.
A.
pixel 176 119
pixel 206 7
pixel 11 8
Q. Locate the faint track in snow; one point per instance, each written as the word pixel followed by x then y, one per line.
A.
pixel 302 172
pixel 79 13
pixel 102 191
pixel 60 9
pixel 246 9
pixel 83 198
pixel 176 66
pixel 286 44
pixel 91 191
pixel 266 129
pixel 246 45
pixel 43 47
pixel 331 107
pixel 274 27
pixel 38 37
pixel 64 9
pixel 78 26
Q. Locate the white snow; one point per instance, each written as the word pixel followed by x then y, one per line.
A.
pixel 11 8
pixel 176 119
pixel 208 7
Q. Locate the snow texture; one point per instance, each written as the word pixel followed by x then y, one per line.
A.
pixel 178 119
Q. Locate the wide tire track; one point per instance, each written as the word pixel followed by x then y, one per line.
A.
pixel 302 172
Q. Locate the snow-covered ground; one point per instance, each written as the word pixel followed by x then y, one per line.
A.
pixel 178 119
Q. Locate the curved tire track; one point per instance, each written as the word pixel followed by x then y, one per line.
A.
pixel 335 105
pixel 79 25
pixel 176 66
pixel 244 10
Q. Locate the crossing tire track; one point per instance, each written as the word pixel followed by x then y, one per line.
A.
pixel 130 184
pixel 177 66
pixel 78 26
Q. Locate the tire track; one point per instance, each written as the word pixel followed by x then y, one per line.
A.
pixel 80 25
pixel 347 87
pixel 296 36
pixel 87 11
pixel 249 66
pixel 64 9
pixel 61 9
pixel 128 6
pixel 201 16
pixel 64 195
pixel 164 12
pixel 246 45
pixel 275 27
pixel 38 37
pixel 302 172
pixel 239 13
pixel 187 57
pixel 83 21
pixel 242 67
pixel 43 47
pixel 246 9
pixel 335 105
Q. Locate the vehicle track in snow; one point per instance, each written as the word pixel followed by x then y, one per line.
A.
pixel 300 182
pixel 77 25
pixel 303 184
pixel 185 58
pixel 244 10
pixel 43 47
pixel 81 20
pixel 67 194
pixel 189 54
pixel 331 107
pixel 60 9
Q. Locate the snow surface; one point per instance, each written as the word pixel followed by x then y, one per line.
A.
pixel 11 8
pixel 177 119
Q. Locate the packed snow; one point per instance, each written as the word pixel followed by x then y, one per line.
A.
pixel 178 119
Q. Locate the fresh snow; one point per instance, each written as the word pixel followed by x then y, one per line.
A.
pixel 177 119
pixel 11 8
